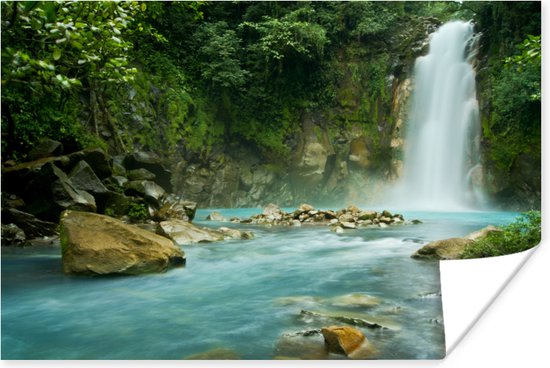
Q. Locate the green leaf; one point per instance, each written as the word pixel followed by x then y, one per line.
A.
pixel 56 54
pixel 76 45
pixel 143 7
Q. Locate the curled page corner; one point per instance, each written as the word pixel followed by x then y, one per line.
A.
pixel 469 287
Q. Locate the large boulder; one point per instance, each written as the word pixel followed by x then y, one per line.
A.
pixel 149 190
pixel 114 204
pixel 46 148
pixel 140 174
pixel 451 248
pixel 83 178
pixel 12 235
pixel 67 197
pixel 273 212
pixel 183 232
pixel 442 249
pixel 100 162
pixel 151 162
pixel 31 180
pixel 94 244
pixel 32 226
pixel 483 232
pixel 176 209
pixel 342 339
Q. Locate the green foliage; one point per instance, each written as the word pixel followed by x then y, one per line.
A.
pixel 52 53
pixel 288 37
pixel 218 52
pixel 514 125
pixel 70 41
pixel 524 233
pixel 528 63
pixel 110 212
pixel 369 19
pixel 137 212
pixel 191 78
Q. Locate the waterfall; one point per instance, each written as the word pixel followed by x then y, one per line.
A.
pixel 442 144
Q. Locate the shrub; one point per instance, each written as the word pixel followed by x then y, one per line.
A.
pixel 138 212
pixel 522 234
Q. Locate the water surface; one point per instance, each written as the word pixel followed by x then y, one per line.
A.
pixel 233 294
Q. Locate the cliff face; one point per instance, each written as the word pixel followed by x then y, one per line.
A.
pixel 345 153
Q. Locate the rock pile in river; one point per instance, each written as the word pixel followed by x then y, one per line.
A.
pixel 346 218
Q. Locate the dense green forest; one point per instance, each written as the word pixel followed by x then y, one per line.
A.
pixel 199 79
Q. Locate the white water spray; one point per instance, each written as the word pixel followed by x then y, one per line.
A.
pixel 442 145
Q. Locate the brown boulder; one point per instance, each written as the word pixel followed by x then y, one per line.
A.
pixel 94 244
pixel 451 248
pixel 342 339
pixel 443 249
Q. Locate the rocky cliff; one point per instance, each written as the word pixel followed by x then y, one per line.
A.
pixel 341 154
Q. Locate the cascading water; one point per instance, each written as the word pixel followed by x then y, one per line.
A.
pixel 442 145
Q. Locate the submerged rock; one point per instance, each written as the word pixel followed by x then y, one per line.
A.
pixel 95 244
pixel 183 232
pixel 215 354
pixel 308 344
pixel 215 216
pixel 348 225
pixel 236 234
pixel 356 300
pixel 350 318
pixel 342 339
pixel 337 229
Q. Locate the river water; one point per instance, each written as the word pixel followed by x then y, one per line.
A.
pixel 238 295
